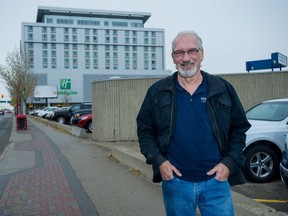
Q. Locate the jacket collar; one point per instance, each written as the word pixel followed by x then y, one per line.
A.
pixel 215 83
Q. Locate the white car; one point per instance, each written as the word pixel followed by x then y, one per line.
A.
pixel 265 139
pixel 284 164
pixel 43 113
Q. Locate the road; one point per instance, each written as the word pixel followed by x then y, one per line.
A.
pixel 5 130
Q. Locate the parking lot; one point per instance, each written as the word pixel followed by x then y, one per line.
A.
pixel 274 194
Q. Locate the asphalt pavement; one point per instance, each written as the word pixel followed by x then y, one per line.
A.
pixel 45 171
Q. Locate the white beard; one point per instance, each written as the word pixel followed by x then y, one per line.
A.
pixel 187 73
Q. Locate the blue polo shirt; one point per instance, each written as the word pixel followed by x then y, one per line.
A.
pixel 192 147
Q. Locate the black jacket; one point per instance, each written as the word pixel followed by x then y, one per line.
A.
pixel 156 122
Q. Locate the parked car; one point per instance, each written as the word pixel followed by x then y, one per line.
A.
pixel 50 113
pixel 43 113
pixel 85 121
pixel 75 117
pixel 62 115
pixel 284 164
pixel 265 139
pixel 1 112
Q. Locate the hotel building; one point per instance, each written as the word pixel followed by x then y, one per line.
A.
pixel 71 48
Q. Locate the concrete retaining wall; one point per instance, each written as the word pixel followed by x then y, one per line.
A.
pixel 117 102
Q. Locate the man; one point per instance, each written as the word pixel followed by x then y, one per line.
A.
pixel 191 128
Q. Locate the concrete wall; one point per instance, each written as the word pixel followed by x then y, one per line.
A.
pixel 117 102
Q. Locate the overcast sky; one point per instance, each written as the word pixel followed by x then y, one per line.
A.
pixel 233 31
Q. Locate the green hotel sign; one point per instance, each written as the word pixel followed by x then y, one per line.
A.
pixel 65 84
pixel 65 88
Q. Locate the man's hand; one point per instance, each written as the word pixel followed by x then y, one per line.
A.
pixel 222 172
pixel 167 169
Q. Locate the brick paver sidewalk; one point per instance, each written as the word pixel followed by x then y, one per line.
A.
pixel 51 187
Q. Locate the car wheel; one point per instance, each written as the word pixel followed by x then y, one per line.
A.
pixel 261 164
pixel 90 126
pixel 61 120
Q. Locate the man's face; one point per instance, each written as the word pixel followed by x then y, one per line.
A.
pixel 187 56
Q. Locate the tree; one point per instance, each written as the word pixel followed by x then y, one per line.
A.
pixel 20 80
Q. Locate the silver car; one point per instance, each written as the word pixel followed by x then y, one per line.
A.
pixel 265 139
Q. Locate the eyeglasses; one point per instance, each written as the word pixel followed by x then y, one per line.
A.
pixel 181 53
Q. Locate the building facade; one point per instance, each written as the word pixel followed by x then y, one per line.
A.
pixel 71 48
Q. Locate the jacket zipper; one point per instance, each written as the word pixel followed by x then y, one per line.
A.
pixel 216 125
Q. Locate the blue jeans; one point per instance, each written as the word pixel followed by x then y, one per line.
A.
pixel 212 197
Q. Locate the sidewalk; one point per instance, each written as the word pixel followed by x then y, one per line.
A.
pixel 36 178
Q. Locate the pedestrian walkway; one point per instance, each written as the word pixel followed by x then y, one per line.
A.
pixel 37 178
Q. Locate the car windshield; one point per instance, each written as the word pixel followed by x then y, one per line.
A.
pixel 271 111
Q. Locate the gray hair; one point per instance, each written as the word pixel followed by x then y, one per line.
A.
pixel 188 33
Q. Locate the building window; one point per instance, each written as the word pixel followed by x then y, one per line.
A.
pixel 87 63
pixel 134 40
pixel 115 40
pixel 66 30
pixel 49 20
pixel 53 45
pixel 127 41
pixel 53 63
pixel 74 30
pixel 53 37
pixel 107 39
pixel 146 41
pixel 75 63
pixel 66 63
pixel 95 54
pixel 30 28
pixel 53 53
pixel 95 47
pixel 153 41
pixel 75 54
pixel 87 47
pixel 106 23
pixel 107 64
pixel 45 63
pixel 44 53
pixel 87 54
pixel 87 38
pixel 115 48
pixel 95 63
pixel 95 32
pixel 66 38
pixel 65 21
pixel 127 64
pixel 44 46
pixel 134 65
pixel 30 45
pixel 107 54
pixel 44 29
pixel 75 47
pixel 66 54
pixel 107 47
pixel 74 38
pixel 95 39
pixel 127 33
pixel 44 37
pixel 30 36
pixel 66 46
pixel 53 30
